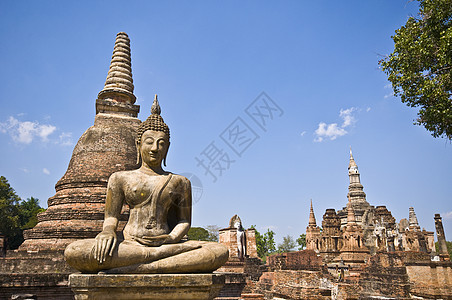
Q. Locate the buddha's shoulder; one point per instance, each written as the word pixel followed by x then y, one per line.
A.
pixel 180 179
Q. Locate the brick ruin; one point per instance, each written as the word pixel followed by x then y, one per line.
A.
pixel 228 237
pixel 240 270
pixel 360 253
pixel 361 228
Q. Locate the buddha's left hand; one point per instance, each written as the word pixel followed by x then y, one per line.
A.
pixel 105 244
pixel 157 240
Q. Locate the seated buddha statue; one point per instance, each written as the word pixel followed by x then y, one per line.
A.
pixel 160 216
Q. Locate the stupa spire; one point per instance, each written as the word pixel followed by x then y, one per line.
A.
pixel 412 218
pixel 117 95
pixel 355 189
pixel 352 166
pixel 312 221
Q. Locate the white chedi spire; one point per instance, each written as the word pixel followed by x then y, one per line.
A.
pixel 352 166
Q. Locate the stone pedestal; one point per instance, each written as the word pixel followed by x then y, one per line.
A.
pixel 146 286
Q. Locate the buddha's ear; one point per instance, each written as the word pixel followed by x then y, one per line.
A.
pixel 138 145
pixel 164 157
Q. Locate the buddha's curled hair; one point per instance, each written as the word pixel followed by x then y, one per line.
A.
pixel 153 122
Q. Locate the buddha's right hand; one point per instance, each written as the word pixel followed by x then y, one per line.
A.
pixel 105 244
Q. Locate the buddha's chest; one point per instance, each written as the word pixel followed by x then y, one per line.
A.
pixel 156 191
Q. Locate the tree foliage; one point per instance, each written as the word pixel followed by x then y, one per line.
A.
pixel 29 210
pixel 198 234
pixel 288 244
pixel 202 234
pixel 214 232
pixel 301 241
pixel 16 214
pixel 9 212
pixel 420 68
pixel 265 243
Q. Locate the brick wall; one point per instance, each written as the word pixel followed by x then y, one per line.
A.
pixel 298 260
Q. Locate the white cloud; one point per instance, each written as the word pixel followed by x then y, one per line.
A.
pixel 448 215
pixel 45 171
pixel 389 95
pixel 346 114
pixel 45 130
pixel 25 170
pixel 25 132
pixel 66 139
pixel 368 109
pixel 303 133
pixel 333 131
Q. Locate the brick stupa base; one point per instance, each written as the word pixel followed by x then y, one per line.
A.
pixel 146 286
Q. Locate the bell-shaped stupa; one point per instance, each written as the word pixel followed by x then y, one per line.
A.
pixel 76 211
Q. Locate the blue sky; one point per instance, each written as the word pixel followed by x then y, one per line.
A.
pixel 209 62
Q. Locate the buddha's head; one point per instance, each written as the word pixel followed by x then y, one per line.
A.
pixel 153 138
pixel 238 225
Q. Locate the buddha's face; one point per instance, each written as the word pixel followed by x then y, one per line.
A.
pixel 153 148
pixel 237 224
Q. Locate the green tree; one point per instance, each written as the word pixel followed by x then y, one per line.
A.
pixel 9 214
pixel 265 243
pixel 287 245
pixel 28 212
pixel 16 214
pixel 448 245
pixel 420 68
pixel 301 241
pixel 198 234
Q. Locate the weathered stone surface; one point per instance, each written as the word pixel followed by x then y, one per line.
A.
pixel 312 232
pixel 291 284
pixel 298 260
pixel 441 238
pixel 385 275
pixel 331 238
pixel 42 274
pixel 252 296
pixel 234 285
pixel 38 286
pixel 146 286
pixel 117 96
pixel 356 196
pixel 77 209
